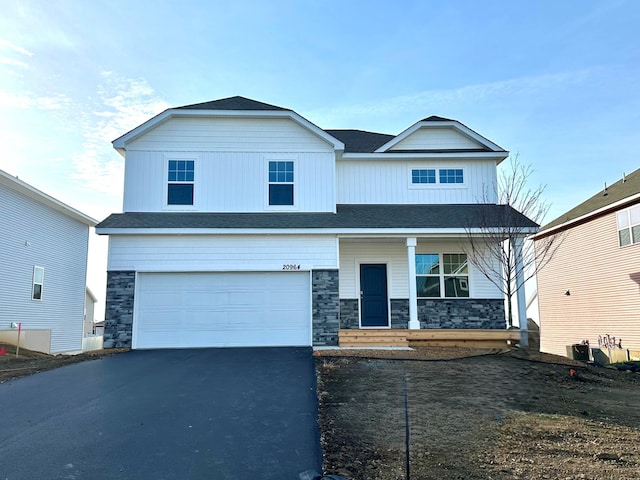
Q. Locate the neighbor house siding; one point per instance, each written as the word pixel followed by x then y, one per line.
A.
pixel 436 139
pixel 35 234
pixel 169 253
pixel 229 181
pixel 604 285
pixel 389 182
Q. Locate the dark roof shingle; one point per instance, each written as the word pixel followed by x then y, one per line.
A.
pixel 347 217
pixel 620 190
pixel 232 103
pixel 359 141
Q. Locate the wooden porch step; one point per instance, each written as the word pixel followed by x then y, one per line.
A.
pixel 428 337
pixel 372 338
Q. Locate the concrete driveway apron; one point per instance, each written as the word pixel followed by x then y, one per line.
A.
pixel 237 413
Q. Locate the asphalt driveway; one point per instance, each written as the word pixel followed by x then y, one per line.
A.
pixel 239 413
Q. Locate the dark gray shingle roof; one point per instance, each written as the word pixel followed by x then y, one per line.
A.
pixel 618 191
pixel 232 103
pixel 359 141
pixel 347 217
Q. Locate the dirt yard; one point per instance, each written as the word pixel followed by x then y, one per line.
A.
pixel 497 416
pixel 472 414
pixel 28 362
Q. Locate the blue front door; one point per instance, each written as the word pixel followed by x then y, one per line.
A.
pixel 373 295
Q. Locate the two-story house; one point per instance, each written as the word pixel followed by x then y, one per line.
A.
pixel 590 290
pixel 44 247
pixel 245 224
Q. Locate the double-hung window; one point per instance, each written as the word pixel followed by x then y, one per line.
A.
pixel 442 275
pixel 38 283
pixel 281 183
pixel 629 226
pixel 180 182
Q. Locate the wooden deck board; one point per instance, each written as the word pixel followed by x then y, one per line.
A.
pixel 427 337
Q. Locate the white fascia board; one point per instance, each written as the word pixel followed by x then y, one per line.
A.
pixel 439 124
pixel 611 207
pixel 497 156
pixel 24 188
pixel 385 232
pixel 120 143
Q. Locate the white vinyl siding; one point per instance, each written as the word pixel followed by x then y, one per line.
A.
pixel 182 310
pixel 35 234
pixel 229 181
pixel 162 253
pixel 436 139
pixel 230 135
pixel 604 286
pixel 394 254
pixel 389 182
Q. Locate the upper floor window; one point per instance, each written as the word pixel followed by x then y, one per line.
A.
pixel 451 175
pixel 281 183
pixel 446 273
pixel 180 182
pixel 38 283
pixel 629 226
pixel 427 176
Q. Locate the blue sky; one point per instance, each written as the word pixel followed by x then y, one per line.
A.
pixel 555 81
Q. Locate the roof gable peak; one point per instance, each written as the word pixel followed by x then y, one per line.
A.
pixel 232 103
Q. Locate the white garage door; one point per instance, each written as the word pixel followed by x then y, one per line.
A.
pixel 179 310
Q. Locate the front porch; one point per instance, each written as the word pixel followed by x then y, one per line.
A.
pixel 393 291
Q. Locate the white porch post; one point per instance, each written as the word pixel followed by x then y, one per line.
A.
pixel 520 294
pixel 414 324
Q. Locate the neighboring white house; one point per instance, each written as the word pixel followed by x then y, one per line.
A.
pixel 90 301
pixel 246 224
pixel 43 268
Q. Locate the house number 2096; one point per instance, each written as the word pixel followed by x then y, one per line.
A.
pixel 290 266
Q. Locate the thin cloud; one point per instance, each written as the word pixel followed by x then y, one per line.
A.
pixel 15 48
pixel 12 61
pixel 122 105
pixel 30 100
pixel 437 100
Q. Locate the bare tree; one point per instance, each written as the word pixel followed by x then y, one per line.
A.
pixel 495 237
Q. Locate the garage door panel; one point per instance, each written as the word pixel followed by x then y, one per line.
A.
pixel 222 309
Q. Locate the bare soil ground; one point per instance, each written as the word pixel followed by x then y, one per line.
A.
pixel 28 362
pixel 476 414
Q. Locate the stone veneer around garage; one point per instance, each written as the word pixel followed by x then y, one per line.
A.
pixel 325 300
pixel 118 317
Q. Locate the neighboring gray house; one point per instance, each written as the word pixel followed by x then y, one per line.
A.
pixel 246 224
pixel 43 268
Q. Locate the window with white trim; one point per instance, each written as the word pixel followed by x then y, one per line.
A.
pixel 451 175
pixel 280 183
pixel 629 226
pixel 427 176
pixel 443 275
pixel 180 180
pixel 38 283
pixel 423 175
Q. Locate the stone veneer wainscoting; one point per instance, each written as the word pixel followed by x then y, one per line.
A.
pixel 461 313
pixel 325 301
pixel 118 317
